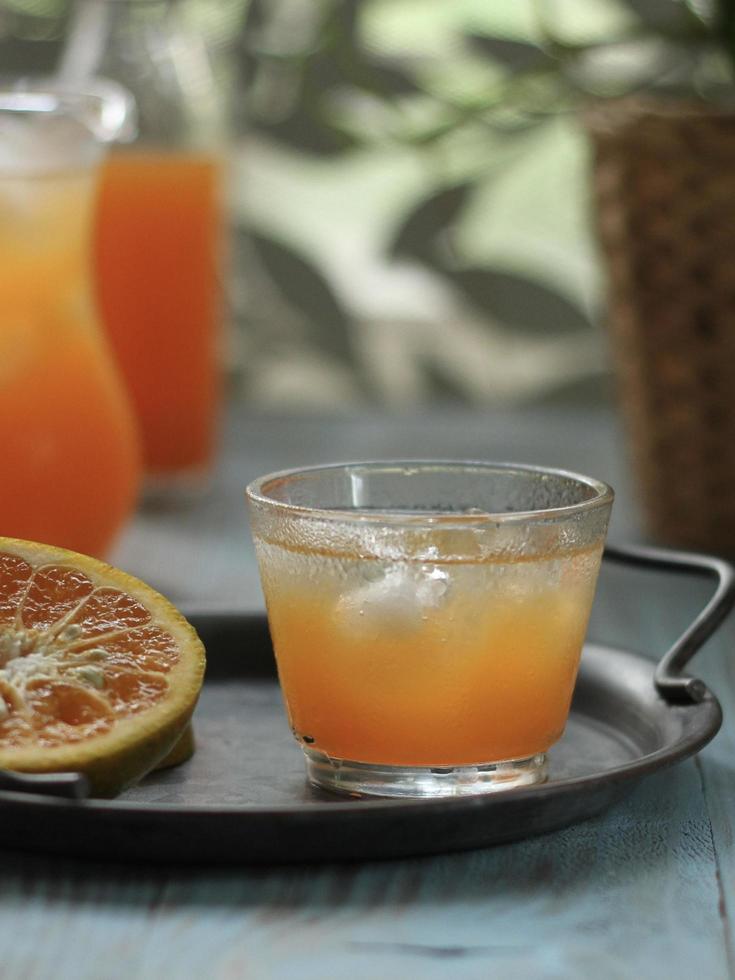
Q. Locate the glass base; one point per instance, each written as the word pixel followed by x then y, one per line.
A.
pixel 367 779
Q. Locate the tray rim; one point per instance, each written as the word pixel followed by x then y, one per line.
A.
pixel 627 773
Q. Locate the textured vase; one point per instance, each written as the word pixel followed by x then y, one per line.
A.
pixel 664 181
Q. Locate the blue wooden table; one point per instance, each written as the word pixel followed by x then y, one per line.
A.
pixel 646 891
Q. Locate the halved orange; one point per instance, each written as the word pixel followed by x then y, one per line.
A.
pixel 98 672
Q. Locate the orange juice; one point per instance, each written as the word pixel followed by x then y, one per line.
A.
pixel 157 254
pixel 68 444
pixel 440 663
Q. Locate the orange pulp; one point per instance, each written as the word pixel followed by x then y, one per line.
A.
pixel 98 673
pixel 483 674
pixel 68 446
pixel 157 253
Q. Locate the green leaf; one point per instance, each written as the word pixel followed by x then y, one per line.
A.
pixel 304 288
pixel 518 302
pixel 725 25
pixel 417 237
pixel 665 16
pixel 592 389
pixel 513 55
pixel 256 17
pixel 303 132
pixel 340 22
pixel 307 127
pixel 381 78
pixel 444 386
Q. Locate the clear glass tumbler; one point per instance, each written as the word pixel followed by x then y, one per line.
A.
pixel 428 617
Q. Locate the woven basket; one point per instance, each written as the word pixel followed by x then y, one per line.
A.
pixel 665 189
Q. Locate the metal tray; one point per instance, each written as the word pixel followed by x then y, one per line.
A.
pixel 243 797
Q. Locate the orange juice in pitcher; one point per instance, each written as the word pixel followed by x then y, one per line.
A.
pixel 159 225
pixel 157 254
pixel 69 443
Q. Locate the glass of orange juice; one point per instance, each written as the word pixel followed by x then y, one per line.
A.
pixel 428 617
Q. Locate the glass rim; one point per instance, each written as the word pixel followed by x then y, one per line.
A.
pixel 603 495
pixel 104 106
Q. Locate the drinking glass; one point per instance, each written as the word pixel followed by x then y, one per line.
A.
pixel 428 617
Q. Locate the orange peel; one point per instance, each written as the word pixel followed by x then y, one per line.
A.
pixel 99 673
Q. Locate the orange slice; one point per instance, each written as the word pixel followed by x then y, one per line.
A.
pixel 98 672
pixel 181 752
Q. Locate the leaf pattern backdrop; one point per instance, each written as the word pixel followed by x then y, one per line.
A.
pixel 400 231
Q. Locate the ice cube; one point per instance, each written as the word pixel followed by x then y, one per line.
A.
pixel 399 600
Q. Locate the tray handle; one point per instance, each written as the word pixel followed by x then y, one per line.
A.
pixel 670 683
pixel 69 785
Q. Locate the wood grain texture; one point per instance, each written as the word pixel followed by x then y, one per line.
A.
pixel 632 894
pixel 717 767
pixel 647 891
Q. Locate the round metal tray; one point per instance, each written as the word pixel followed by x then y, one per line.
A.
pixel 243 797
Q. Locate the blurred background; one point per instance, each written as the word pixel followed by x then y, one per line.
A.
pixel 509 205
pixel 408 187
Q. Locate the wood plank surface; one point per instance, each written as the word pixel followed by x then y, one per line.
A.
pixel 631 894
pixel 645 891
pixel 717 765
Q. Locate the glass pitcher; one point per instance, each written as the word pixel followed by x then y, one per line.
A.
pixel 160 225
pixel 69 444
